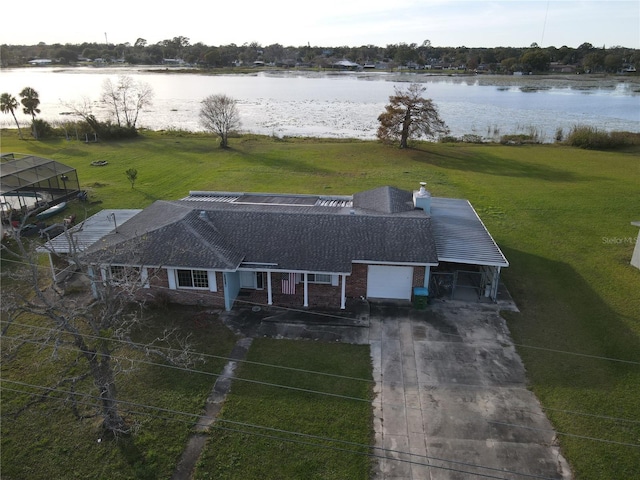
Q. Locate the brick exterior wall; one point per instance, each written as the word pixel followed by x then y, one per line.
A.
pixel 418 276
pixel 320 295
pixel 159 291
pixel 357 282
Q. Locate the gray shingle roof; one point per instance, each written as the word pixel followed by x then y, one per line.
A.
pixel 168 234
pixel 298 236
pixel 301 232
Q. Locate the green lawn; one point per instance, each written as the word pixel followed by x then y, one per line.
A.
pixel 233 450
pixel 561 215
pixel 47 441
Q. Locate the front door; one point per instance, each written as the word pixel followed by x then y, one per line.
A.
pixel 248 280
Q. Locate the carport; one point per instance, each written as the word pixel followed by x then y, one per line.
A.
pixel 469 260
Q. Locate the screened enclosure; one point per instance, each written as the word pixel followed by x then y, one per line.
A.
pixel 30 182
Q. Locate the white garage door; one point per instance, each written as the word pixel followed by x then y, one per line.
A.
pixel 389 282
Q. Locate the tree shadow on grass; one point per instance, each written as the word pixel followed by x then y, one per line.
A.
pixel 492 165
pixel 287 165
pixel 591 398
pixel 151 197
pixel 144 468
pixel 560 312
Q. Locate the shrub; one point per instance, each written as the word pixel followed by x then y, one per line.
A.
pixel 594 139
pixel 471 138
pixel 624 139
pixel 75 129
pixel 559 135
pixel 111 131
pixel 589 137
pixel 449 139
pixel 41 128
pixel 519 139
pixel 160 300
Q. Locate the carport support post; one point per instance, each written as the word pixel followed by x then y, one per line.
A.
pixel 269 291
pixel 53 270
pixel 306 289
pixel 343 297
pixel 496 283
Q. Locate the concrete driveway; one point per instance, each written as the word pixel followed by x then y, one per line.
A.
pixel 452 401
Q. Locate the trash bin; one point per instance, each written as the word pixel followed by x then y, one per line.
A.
pixel 420 295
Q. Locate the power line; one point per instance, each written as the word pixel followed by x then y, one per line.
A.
pixel 584 414
pixel 288 432
pixel 168 349
pixel 564 433
pixel 339 317
pixel 191 370
pixel 208 355
pixel 316 392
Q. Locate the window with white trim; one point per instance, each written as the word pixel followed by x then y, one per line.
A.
pixel 192 279
pixel 120 274
pixel 318 278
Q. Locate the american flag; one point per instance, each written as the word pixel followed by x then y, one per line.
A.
pixel 289 283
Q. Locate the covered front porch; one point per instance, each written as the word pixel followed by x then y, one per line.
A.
pixel 265 286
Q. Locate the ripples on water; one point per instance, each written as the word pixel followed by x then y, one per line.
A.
pixel 347 105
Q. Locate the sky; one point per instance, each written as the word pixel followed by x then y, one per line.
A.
pixel 330 23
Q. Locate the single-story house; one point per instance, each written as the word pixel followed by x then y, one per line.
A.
pixel 346 65
pixel 41 62
pixel 222 248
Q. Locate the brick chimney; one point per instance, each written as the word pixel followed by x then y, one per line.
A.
pixel 422 198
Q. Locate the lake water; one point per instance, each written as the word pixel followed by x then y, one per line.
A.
pixel 346 105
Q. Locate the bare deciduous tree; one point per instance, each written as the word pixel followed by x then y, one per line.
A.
pixel 219 115
pixel 410 115
pixel 126 99
pixel 94 325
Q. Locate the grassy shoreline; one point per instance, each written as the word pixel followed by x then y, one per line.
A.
pixel 557 212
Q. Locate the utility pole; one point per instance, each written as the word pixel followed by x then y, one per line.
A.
pixel 105 39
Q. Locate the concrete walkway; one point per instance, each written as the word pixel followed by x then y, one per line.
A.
pixel 451 398
pixel 197 441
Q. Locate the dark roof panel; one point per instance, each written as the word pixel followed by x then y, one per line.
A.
pixel 384 200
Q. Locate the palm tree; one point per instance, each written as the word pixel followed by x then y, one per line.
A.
pixel 9 104
pixel 30 102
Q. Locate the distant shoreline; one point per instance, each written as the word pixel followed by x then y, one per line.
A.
pixel 537 81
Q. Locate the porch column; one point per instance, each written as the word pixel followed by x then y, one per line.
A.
pixel 427 277
pixel 343 296
pixel 269 292
pixel 306 290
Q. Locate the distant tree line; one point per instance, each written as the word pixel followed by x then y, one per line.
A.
pixel 535 59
